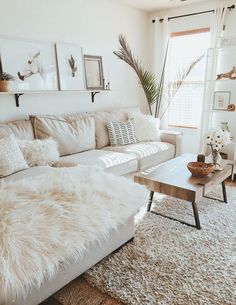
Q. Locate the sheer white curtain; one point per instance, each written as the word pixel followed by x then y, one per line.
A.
pixel 217 24
pixel 161 36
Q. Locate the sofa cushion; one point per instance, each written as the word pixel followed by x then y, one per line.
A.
pixel 146 127
pixel 39 152
pixel 121 133
pixel 22 129
pixel 148 153
pixel 73 134
pixel 114 162
pixel 101 119
pixel 11 157
pixel 29 173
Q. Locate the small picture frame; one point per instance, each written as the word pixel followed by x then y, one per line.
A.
pixel 221 100
pixel 93 72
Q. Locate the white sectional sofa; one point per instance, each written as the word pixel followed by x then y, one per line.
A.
pixel 119 160
pixel 122 160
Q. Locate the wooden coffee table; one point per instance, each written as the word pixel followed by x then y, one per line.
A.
pixel 172 178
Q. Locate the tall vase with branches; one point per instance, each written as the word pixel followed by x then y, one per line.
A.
pixel 153 89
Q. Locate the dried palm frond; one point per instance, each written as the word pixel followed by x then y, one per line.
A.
pixel 147 79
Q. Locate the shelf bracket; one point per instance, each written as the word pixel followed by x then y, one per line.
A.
pixel 93 95
pixel 17 97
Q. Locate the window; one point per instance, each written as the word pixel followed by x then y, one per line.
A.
pixel 186 105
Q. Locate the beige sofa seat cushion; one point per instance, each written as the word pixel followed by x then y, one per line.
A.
pixel 101 119
pixel 113 162
pixel 29 173
pixel 73 134
pixel 21 129
pixel 148 153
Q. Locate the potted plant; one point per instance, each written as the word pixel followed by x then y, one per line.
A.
pixel 4 81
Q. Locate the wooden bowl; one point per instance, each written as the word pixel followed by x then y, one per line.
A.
pixel 200 169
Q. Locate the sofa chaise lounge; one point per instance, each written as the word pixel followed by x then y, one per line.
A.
pixel 94 150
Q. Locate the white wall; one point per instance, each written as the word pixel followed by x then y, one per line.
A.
pixel 191 137
pixel 93 24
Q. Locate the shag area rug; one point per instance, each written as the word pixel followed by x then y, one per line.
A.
pixel 169 263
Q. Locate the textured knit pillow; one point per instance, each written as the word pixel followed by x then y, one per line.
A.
pixel 40 152
pixel 146 127
pixel 121 133
pixel 11 157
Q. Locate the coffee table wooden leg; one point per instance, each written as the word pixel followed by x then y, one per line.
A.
pixel 224 192
pixel 150 201
pixel 196 216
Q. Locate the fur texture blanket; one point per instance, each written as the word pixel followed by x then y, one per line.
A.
pixel 49 220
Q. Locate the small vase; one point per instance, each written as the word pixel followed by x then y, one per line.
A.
pixel 216 160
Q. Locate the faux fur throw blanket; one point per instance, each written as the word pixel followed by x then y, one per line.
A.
pixel 48 220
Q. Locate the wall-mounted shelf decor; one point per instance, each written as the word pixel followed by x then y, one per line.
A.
pixel 48 67
pixel 17 94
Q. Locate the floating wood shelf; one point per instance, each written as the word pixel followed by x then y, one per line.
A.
pixel 17 94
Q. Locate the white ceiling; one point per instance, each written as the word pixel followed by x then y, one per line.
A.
pixel 152 5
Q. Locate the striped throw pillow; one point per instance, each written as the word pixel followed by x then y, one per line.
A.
pixel 121 133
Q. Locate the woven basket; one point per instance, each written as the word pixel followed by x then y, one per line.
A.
pixel 200 169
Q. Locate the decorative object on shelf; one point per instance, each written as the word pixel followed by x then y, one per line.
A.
pixel 200 169
pixel 94 72
pixel 221 100
pixel 108 86
pixel 217 139
pixel 230 75
pixel 201 158
pixel 231 107
pixel 5 78
pixel 70 66
pixel 227 41
pixel 33 64
pixel 224 126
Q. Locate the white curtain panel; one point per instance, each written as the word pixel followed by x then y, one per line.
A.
pixel 161 36
pixel 217 24
pixel 164 100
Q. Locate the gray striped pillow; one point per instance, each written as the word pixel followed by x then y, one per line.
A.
pixel 121 133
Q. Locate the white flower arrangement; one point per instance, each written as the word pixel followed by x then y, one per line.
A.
pixel 217 139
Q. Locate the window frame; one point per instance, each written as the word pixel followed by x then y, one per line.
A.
pixel 186 33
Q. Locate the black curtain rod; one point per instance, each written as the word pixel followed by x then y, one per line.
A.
pixel 193 14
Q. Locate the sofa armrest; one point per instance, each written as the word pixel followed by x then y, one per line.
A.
pixel 173 137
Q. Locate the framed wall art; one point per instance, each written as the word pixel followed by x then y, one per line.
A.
pixel 227 41
pixel 70 66
pixel 221 100
pixel 93 72
pixel 33 64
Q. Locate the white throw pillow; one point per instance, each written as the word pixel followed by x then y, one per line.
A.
pixel 146 127
pixel 40 152
pixel 11 157
pixel 121 133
